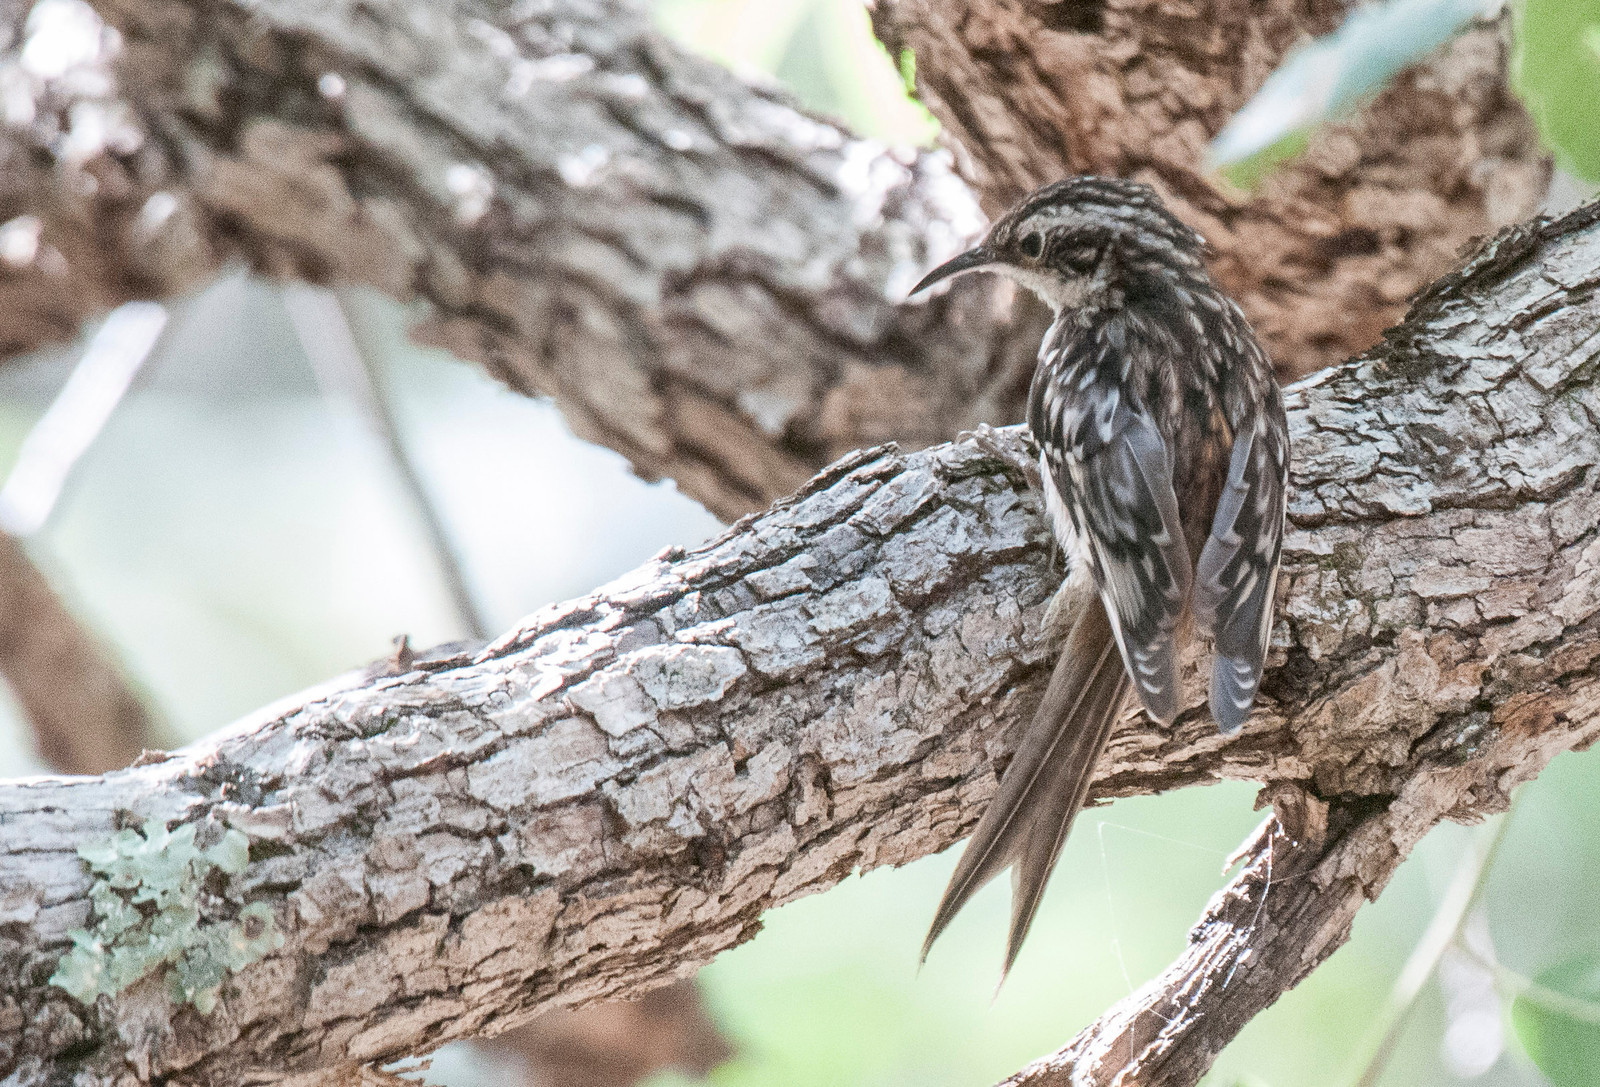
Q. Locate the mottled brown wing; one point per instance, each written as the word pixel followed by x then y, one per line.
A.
pixel 1237 574
pixel 1116 483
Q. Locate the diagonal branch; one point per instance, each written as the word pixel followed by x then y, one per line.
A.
pixel 606 797
pixel 704 277
pixel 84 715
pixel 347 367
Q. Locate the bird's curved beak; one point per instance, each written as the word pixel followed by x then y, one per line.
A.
pixel 976 257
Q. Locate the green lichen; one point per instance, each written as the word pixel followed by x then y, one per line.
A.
pixel 151 914
pixel 1347 560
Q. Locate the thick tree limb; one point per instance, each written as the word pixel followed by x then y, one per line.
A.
pixel 609 795
pixel 703 277
pixel 1326 254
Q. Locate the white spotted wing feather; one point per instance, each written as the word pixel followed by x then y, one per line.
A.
pixel 1237 574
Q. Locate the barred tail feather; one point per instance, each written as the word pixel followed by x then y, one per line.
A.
pixel 1047 783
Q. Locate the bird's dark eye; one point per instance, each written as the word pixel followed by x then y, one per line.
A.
pixel 1031 245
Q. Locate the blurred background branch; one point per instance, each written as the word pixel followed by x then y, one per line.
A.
pixel 701 276
pixel 345 367
pixel 80 411
pixel 1465 890
pixel 621 1043
pixel 758 334
pixel 84 716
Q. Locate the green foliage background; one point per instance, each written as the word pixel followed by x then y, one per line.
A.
pixel 1556 66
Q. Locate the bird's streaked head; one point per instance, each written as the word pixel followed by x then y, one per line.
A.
pixel 1071 240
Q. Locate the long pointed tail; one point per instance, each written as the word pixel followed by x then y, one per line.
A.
pixel 1026 824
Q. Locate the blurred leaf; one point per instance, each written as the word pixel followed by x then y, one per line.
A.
pixel 1331 76
pixel 1249 172
pixel 1556 70
pixel 1557 1019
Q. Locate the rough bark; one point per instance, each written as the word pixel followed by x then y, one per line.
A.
pixel 607 796
pixel 703 277
pixel 84 716
pixel 1324 256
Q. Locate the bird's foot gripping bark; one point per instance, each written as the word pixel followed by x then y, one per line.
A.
pixel 1011 447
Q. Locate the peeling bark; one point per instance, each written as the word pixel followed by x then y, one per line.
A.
pixel 1324 256
pixel 607 796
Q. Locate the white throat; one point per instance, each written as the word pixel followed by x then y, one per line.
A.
pixel 1054 291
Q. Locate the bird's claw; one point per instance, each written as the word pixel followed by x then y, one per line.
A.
pixel 1015 453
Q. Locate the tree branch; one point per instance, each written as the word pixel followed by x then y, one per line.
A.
pixel 619 1044
pixel 84 716
pixel 702 276
pixel 609 795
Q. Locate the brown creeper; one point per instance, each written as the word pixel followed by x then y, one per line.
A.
pixel 1164 457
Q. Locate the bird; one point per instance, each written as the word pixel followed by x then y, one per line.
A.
pixel 1163 461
